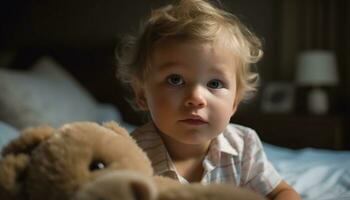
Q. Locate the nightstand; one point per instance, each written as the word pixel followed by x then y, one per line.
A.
pixel 296 131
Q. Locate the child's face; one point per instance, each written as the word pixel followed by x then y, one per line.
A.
pixel 190 90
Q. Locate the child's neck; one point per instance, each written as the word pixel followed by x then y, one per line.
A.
pixel 181 152
pixel 187 158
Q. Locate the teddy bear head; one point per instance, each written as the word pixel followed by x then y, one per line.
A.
pixel 48 163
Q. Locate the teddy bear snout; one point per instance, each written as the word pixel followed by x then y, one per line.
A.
pixel 120 185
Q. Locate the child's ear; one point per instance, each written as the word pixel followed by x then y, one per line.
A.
pixel 139 93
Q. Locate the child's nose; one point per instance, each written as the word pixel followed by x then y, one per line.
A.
pixel 195 97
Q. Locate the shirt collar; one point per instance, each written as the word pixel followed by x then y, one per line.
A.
pixel 219 151
pixel 223 145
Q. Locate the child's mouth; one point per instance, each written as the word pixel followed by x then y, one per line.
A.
pixel 194 121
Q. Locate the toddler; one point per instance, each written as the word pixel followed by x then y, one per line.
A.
pixel 189 68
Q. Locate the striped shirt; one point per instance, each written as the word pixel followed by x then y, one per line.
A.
pixel 235 156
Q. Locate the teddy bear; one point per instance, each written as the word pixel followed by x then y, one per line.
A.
pixel 89 161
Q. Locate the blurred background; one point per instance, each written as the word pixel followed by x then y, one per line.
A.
pixel 304 94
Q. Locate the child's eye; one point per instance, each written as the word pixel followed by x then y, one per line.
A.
pixel 215 84
pixel 175 80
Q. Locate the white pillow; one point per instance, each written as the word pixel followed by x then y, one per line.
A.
pixel 107 112
pixel 44 95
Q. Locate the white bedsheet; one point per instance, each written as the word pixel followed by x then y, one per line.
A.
pixel 315 173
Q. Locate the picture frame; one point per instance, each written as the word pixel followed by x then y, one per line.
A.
pixel 278 97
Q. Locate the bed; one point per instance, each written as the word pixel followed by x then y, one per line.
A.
pixel 315 173
pixel 46 93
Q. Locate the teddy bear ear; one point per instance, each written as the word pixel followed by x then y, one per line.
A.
pixel 114 126
pixel 11 171
pixel 15 160
pixel 28 140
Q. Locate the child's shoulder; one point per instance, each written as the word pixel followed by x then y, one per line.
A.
pixel 146 131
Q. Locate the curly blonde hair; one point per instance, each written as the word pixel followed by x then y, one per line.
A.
pixel 194 20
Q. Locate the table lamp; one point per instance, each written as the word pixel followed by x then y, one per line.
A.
pixel 317 68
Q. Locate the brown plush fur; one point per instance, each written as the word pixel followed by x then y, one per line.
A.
pixel 84 160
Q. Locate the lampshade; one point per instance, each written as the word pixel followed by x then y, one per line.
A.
pixel 316 68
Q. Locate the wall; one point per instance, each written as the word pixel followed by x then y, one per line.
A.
pixel 94 26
